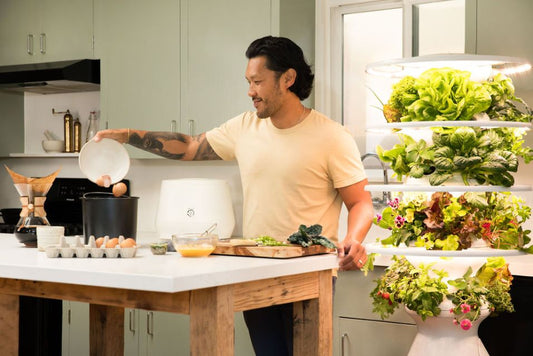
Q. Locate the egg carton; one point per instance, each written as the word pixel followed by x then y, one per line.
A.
pixel 78 249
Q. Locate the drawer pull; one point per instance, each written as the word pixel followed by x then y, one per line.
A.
pixel 343 337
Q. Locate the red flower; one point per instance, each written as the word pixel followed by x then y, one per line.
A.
pixel 466 324
pixel 465 308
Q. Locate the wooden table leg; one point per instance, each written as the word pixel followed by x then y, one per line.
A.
pixel 9 324
pixel 212 322
pixel 106 336
pixel 313 321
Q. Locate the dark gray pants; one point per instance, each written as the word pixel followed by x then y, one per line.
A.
pixel 271 328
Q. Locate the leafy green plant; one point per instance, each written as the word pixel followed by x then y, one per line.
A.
pixel 486 156
pixel 446 94
pixel 445 222
pixel 422 290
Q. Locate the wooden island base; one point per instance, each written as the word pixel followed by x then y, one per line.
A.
pixel 211 311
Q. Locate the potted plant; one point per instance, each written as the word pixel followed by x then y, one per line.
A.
pixel 429 292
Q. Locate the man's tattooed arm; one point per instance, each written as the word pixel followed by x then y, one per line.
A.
pixel 173 145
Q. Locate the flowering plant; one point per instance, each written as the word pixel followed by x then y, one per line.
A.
pixel 446 222
pixel 422 290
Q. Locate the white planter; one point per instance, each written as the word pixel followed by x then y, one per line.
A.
pixel 439 336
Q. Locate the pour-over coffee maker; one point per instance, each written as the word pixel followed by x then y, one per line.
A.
pixel 32 193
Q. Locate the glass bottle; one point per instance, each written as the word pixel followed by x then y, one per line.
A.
pixel 92 126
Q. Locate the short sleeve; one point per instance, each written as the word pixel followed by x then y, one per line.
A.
pixel 223 139
pixel 344 162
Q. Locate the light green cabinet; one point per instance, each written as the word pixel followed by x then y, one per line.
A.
pixel 33 31
pixel 138 43
pixel 215 36
pixel 146 333
pixel 179 65
pixel 357 330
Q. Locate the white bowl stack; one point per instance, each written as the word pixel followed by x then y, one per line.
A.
pixel 49 235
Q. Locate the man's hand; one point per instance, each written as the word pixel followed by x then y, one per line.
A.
pixel 352 255
pixel 120 135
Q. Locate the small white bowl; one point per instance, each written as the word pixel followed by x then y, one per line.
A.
pixel 53 145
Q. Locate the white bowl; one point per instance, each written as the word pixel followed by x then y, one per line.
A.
pixel 53 145
pixel 107 157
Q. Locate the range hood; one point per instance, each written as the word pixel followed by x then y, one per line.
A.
pixel 53 77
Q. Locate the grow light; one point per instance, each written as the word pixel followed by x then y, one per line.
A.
pixel 481 66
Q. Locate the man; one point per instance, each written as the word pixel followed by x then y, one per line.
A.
pixel 297 167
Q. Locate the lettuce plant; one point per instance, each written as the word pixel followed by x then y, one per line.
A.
pixel 446 94
pixel 445 222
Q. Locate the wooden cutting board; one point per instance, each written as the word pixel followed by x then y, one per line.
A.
pixel 289 251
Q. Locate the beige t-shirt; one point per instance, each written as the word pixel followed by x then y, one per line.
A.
pixel 289 175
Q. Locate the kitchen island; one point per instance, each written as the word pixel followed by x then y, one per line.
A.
pixel 208 289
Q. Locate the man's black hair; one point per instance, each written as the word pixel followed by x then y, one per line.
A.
pixel 281 54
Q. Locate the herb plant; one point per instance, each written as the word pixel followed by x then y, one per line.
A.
pixel 482 156
pixel 422 290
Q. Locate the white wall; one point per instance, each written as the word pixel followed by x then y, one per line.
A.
pixel 145 176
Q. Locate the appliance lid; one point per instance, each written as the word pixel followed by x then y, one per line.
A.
pixel 52 77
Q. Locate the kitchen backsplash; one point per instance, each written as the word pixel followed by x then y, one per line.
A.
pixel 38 115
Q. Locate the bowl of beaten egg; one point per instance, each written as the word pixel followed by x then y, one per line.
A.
pixel 194 244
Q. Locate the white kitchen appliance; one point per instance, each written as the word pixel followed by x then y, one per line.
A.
pixel 193 205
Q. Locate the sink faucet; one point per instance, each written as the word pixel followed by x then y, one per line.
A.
pixel 386 195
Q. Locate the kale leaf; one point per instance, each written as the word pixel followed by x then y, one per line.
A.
pixel 307 236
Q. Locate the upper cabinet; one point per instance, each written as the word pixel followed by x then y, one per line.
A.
pixel 139 51
pixel 45 30
pixel 215 36
pixel 178 64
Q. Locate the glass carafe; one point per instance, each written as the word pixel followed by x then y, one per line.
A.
pixel 32 193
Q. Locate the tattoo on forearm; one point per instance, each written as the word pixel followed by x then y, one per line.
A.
pixel 160 143
pixel 205 151
pixel 154 142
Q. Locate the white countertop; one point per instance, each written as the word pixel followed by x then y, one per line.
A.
pixel 166 273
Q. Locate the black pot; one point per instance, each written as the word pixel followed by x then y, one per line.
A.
pixel 105 214
pixel 11 216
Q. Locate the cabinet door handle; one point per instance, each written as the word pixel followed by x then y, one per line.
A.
pixel 343 337
pixel 191 127
pixel 29 44
pixel 42 42
pixel 150 324
pixel 132 321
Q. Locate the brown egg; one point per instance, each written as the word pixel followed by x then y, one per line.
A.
pixel 99 241
pixel 112 242
pixel 129 242
pixel 104 181
pixel 119 189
